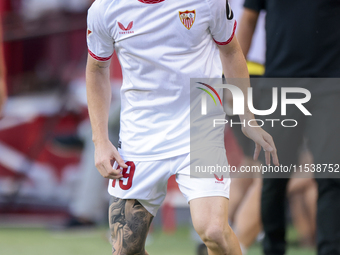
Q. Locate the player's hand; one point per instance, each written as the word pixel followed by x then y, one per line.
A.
pixel 264 140
pixel 105 155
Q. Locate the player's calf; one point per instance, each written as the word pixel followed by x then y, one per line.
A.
pixel 129 225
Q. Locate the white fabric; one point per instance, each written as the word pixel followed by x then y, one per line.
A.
pixel 147 180
pixel 159 55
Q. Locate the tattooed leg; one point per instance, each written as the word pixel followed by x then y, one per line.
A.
pixel 129 225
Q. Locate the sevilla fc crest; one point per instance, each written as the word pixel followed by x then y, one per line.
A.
pixel 187 18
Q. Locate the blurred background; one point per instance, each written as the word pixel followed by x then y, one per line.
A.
pixel 52 200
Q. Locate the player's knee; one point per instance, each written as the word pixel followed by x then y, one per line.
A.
pixel 215 236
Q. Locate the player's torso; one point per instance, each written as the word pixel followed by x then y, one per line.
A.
pixel 160 47
pixel 174 27
pixel 168 36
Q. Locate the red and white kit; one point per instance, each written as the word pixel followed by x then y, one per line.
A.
pixel 161 44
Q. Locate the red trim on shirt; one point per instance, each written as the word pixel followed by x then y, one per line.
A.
pixel 151 1
pixel 231 37
pixel 98 58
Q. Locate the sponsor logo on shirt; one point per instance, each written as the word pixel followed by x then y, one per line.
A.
pixel 126 30
pixel 187 18
pixel 219 180
pixel 89 32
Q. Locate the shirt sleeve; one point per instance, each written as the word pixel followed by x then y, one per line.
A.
pixel 222 23
pixel 255 5
pixel 100 44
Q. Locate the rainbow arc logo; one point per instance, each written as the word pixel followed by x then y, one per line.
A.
pixel 204 97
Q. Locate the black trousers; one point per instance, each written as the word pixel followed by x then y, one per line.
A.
pixel 322 131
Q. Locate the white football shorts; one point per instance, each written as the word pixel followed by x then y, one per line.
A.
pixel 147 180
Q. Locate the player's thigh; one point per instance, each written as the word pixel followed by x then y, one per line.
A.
pixel 207 193
pixel 129 223
pixel 210 216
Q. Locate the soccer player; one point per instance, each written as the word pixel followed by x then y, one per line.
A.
pixel 161 44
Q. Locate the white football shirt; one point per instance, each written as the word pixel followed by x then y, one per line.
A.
pixel 160 44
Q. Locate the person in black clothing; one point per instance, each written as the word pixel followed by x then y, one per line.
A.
pixel 303 40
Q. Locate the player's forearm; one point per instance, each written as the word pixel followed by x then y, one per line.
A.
pixel 98 98
pixel 236 72
pixel 246 28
